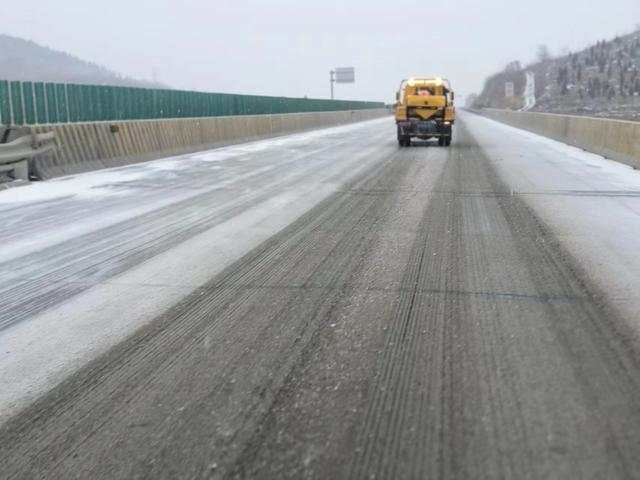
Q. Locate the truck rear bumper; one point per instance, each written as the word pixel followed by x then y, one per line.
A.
pixel 424 129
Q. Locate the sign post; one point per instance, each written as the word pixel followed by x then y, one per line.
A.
pixel 332 80
pixel 341 75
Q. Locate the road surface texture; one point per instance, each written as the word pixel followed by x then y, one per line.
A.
pixel 429 313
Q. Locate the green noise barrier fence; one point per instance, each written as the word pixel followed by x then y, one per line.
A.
pixel 33 103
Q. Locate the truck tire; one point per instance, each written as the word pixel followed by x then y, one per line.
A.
pixel 442 141
pixel 448 135
pixel 404 141
pixel 448 140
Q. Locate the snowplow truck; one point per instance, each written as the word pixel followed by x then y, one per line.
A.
pixel 424 110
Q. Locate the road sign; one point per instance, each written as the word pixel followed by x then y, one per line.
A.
pixel 342 75
pixel 509 90
pixel 345 75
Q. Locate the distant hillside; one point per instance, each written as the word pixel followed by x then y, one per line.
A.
pixel 602 80
pixel 27 61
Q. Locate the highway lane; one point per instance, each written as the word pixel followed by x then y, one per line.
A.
pixel 78 251
pixel 440 313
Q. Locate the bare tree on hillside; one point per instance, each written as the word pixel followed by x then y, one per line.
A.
pixel 544 54
pixel 514 66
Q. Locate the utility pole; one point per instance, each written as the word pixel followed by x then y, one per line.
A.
pixel 332 80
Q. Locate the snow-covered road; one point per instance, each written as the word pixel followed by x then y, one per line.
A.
pixel 326 305
pixel 87 259
pixel 592 204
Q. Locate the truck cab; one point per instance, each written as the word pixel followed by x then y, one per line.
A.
pixel 425 109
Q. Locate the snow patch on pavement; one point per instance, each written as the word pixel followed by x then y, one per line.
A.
pixel 113 181
pixel 39 352
pixel 592 204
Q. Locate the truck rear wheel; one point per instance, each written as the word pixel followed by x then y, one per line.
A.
pixel 403 140
pixel 446 138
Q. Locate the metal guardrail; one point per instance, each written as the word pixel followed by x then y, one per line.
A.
pixel 26 147
pixel 15 155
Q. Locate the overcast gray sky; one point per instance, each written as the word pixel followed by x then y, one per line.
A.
pixel 286 47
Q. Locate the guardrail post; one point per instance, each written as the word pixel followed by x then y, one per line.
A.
pixel 21 170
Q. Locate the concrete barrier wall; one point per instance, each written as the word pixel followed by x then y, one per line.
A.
pixel 615 139
pixel 90 146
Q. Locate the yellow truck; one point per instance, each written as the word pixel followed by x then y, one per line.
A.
pixel 424 109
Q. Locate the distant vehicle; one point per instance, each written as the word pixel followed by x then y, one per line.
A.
pixel 425 110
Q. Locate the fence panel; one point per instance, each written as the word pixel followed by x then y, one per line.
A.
pixel 29 103
pixel 17 104
pixel 5 99
pixel 28 100
pixel 51 101
pixel 40 103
